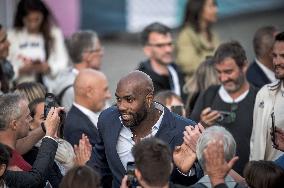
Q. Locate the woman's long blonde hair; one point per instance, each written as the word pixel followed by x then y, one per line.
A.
pixel 204 77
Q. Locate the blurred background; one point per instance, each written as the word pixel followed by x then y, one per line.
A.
pixel 119 22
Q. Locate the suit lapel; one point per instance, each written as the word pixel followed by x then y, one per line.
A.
pixel 114 133
pixel 166 127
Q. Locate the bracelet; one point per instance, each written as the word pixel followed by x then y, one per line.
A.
pixel 43 127
pixel 205 125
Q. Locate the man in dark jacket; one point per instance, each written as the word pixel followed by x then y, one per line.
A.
pixel 158 47
pixel 136 116
pixel 260 72
pixel 14 124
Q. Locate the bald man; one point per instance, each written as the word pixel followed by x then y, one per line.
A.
pixel 135 117
pixel 91 93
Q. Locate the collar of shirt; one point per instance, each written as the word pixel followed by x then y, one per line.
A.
pixel 90 114
pixel 125 141
pixel 269 73
pixel 227 98
pixel 75 71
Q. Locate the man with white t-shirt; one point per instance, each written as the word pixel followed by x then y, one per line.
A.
pixel 231 104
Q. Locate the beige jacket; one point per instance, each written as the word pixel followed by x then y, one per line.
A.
pixel 260 143
pixel 192 49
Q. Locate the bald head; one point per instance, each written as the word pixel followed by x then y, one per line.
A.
pixel 86 78
pixel 137 80
pixel 91 89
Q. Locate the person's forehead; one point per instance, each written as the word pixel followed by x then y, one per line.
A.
pixel 127 88
pixel 278 46
pixel 226 63
pixel 155 36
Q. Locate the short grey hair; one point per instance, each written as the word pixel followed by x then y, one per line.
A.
pixel 263 40
pixel 217 133
pixel 9 108
pixel 79 42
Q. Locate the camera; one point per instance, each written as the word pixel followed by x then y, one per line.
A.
pixel 132 181
pixel 50 101
pixel 226 117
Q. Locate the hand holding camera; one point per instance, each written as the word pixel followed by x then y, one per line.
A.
pixel 52 121
pixel 208 117
pixel 53 114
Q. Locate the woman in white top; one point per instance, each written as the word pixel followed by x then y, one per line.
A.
pixel 37 49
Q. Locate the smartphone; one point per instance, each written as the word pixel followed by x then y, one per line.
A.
pixel 273 128
pixel 177 109
pixel 132 181
pixel 224 115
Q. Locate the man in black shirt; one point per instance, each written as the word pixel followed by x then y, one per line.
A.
pixel 231 104
pixel 158 47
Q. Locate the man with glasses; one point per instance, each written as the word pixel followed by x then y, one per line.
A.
pixel 85 51
pixel 158 47
pixel 269 110
pixel 230 104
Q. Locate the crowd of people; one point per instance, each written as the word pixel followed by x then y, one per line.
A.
pixel 207 118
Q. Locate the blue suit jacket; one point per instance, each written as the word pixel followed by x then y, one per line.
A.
pixel 109 125
pixel 76 124
pixel 256 76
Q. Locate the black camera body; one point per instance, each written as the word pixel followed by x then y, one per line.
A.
pixel 132 181
pixel 226 117
pixel 50 101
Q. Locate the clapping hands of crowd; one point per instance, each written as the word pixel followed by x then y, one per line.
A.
pixel 185 155
pixel 216 166
pixel 82 151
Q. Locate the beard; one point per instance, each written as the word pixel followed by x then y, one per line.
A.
pixel 131 120
pixel 237 84
pixel 279 72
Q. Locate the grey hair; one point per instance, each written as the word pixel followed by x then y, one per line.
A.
pixel 9 108
pixel 217 133
pixel 263 40
pixel 79 42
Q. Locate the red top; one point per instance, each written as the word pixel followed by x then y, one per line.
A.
pixel 19 161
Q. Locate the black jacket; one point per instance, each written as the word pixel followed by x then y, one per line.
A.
pixel 38 175
pixel 256 76
pixel 162 82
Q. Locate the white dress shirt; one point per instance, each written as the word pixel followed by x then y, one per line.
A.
pixel 90 114
pixel 269 73
pixel 125 141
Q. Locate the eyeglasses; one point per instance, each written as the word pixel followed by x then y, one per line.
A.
pixel 161 45
pixel 98 50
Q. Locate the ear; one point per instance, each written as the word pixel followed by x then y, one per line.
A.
pixel 245 67
pixel 149 99
pixel 89 91
pixel 2 169
pixel 147 51
pixel 85 57
pixel 13 125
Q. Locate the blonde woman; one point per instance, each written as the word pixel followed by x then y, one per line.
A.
pixel 204 77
